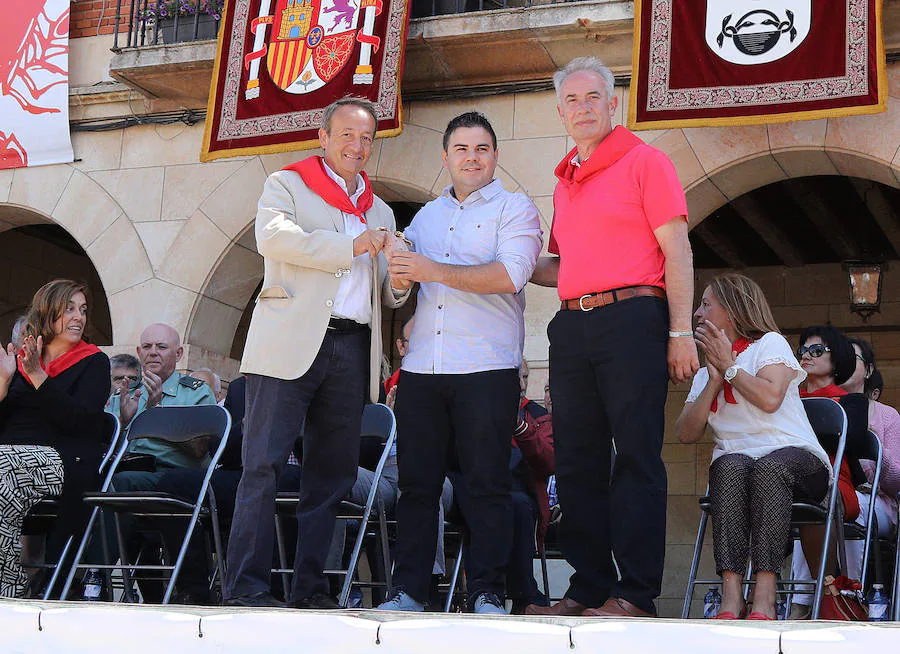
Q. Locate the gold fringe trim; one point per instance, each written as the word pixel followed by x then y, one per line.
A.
pixel 758 119
pixel 277 148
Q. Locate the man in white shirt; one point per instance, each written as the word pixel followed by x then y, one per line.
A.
pixel 475 249
pixel 313 351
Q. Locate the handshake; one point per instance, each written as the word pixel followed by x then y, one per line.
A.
pixel 405 267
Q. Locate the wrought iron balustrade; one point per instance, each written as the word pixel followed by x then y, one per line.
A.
pixel 154 22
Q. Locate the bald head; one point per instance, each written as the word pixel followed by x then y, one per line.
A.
pixel 160 349
pixel 212 380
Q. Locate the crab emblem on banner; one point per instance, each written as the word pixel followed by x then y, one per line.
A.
pixel 751 32
pixel 310 41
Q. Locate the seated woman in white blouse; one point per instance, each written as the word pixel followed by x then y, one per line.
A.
pixel 766 454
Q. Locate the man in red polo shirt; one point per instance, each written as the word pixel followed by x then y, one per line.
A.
pixel 625 277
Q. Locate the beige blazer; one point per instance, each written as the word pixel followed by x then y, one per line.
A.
pixel 306 252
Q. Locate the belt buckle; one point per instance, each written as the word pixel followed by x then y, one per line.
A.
pixel 581 302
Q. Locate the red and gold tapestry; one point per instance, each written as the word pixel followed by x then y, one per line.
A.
pixel 746 62
pixel 281 62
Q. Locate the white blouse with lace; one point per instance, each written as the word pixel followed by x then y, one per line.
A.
pixel 743 428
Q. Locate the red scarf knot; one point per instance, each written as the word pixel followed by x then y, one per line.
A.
pixel 737 347
pixel 312 170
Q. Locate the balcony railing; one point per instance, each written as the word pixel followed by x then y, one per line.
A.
pixel 154 22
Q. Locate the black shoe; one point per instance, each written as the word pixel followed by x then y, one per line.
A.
pixel 317 601
pixel 261 599
pixel 187 598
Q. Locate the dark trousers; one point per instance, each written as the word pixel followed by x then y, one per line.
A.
pixel 521 586
pixel 471 418
pixel 185 483
pixel 328 400
pixel 609 378
pixel 751 505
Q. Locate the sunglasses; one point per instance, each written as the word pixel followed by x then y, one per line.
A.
pixel 815 350
pixel 131 378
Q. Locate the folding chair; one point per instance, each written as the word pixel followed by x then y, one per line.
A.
pixel 829 422
pixel 177 425
pixel 43 515
pixel 379 431
pixel 870 449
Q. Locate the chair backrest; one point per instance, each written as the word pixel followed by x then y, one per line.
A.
pixel 379 428
pixel 869 448
pixel 378 421
pixel 828 421
pixel 179 424
pixel 111 434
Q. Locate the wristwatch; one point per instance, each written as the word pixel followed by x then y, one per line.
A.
pixel 731 372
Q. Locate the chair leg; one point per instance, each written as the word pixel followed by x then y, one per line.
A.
pixel 57 569
pixel 82 546
pixel 282 558
pixel 695 565
pixel 385 547
pixel 457 565
pixel 545 576
pixel 129 594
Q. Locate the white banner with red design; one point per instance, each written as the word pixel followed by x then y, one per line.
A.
pixel 34 83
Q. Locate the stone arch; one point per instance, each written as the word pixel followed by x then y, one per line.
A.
pixel 716 165
pixel 73 199
pixel 36 249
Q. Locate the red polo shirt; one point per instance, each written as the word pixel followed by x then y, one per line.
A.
pixel 605 212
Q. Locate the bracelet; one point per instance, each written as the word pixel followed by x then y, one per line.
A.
pixel 680 334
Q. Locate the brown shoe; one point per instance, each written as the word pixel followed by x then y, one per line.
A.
pixel 563 607
pixel 616 607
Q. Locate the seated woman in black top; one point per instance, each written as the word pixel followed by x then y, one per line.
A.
pixel 52 393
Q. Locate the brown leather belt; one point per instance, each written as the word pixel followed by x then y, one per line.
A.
pixel 596 300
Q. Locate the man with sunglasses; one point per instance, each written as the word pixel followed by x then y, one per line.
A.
pixel 125 373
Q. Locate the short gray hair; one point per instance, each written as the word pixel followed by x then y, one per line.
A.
pixel 18 331
pixel 590 64
pixel 361 103
pixel 125 361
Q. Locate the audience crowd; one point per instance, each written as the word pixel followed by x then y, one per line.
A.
pixel 471 448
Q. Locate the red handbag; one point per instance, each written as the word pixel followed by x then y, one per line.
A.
pixel 841 600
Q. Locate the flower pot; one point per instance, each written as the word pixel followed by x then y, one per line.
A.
pixel 207 29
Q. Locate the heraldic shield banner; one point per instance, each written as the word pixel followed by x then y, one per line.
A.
pixel 34 83
pixel 746 62
pixel 281 62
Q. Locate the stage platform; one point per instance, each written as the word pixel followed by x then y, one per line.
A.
pixel 35 627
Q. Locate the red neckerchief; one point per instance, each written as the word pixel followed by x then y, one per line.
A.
pixel 616 145
pixel 737 347
pixel 831 391
pixel 61 363
pixel 391 381
pixel 312 170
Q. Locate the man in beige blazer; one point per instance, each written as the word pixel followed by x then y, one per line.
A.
pixel 313 351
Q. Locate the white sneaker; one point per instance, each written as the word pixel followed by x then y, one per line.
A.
pixel 401 601
pixel 488 604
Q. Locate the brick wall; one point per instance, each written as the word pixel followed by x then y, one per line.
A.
pixel 96 17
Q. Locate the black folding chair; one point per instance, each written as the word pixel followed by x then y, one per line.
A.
pixel 177 425
pixel 43 515
pixel 379 431
pixel 829 422
pixel 870 449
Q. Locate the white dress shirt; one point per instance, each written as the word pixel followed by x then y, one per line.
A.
pixel 354 296
pixel 457 332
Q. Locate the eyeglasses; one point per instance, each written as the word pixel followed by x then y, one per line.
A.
pixel 815 350
pixel 131 378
